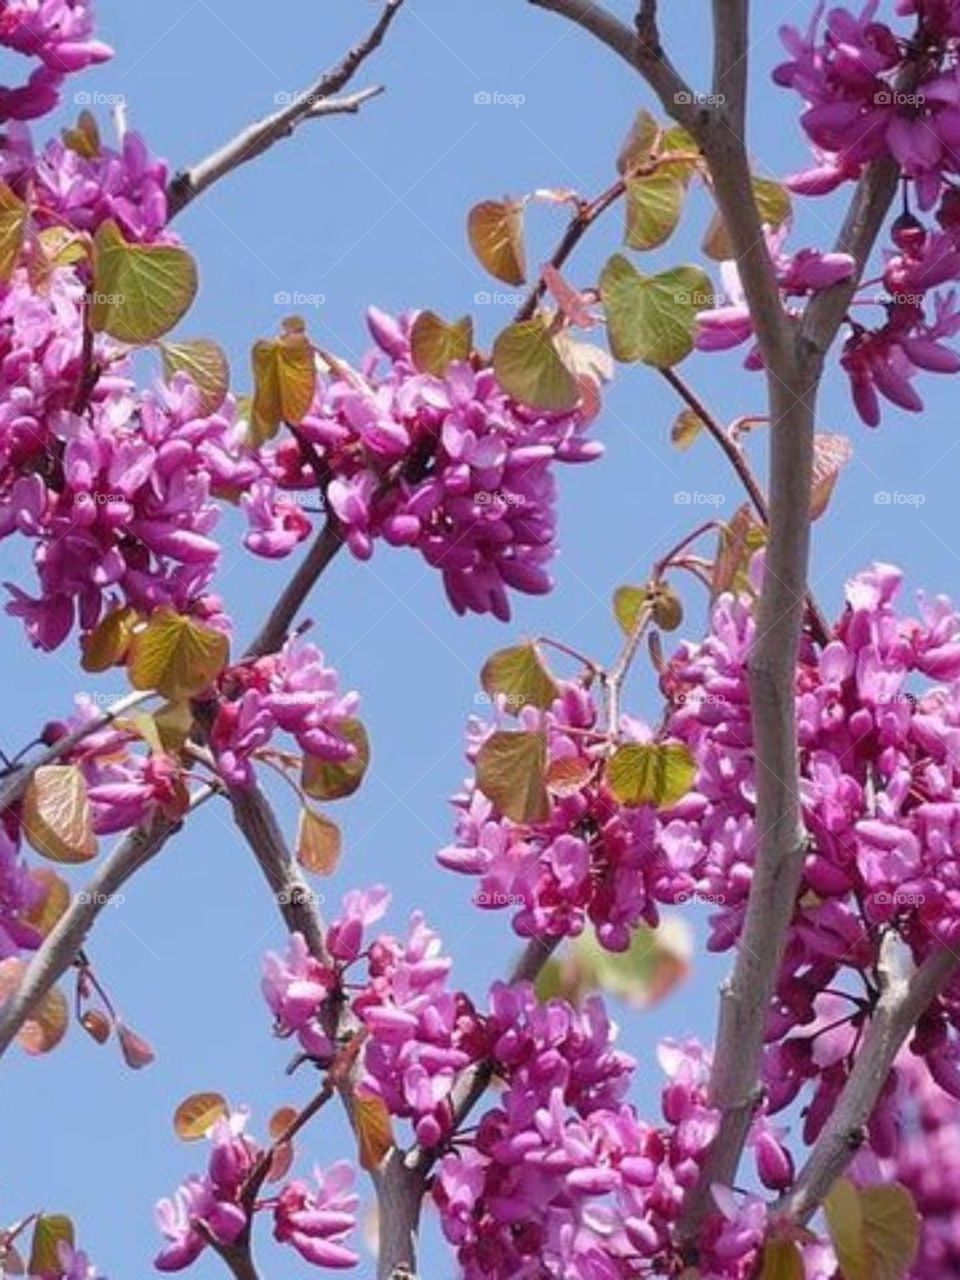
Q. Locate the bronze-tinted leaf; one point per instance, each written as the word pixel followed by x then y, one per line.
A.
pixel 56 814
pixel 495 230
pixel 197 1114
pixel 510 772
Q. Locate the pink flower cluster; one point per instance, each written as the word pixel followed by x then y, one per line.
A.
pixel 315 1220
pixel 450 466
pixel 57 32
pixel 592 860
pixel 291 691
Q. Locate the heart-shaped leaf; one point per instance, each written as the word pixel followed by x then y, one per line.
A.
pixel 654 205
pixel 520 675
pixel 176 655
pixel 495 230
pixel 657 773
pixel 831 453
pixel 434 344
pixel 56 814
pixel 529 368
pixel 875 1230
pixel 205 363
pixel 108 642
pixel 329 780
pixel 510 773
pixel 319 843
pixel 652 318
pixel 140 291
pixel 640 144
pixel 284 381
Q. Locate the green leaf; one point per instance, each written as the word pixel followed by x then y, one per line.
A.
pixel 657 773
pixel 205 363
pixel 495 230
pixel 13 230
pixel 773 205
pixel 56 817
pixel 653 965
pixel 108 642
pixel 677 142
pixel 875 1230
pixel 49 1232
pixel 327 780
pixel 686 428
pixel 739 539
pixel 284 381
pixel 782 1260
pixel 176 655
pixel 140 291
pixel 667 607
pixel 319 843
pixel 640 143
pixel 654 205
pixel 510 773
pixel 529 368
pixel 519 673
pixel 434 344
pixel 652 318
pixel 627 603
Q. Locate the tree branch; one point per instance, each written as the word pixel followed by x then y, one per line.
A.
pixel 61 946
pixel 902 1003
pixel 325 546
pixel 315 101
pixel 731 40
pixel 256 820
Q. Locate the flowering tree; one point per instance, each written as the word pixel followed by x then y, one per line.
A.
pixel 801 774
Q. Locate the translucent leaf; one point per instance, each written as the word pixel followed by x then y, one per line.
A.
pixel 13 227
pixel 739 540
pixel 773 205
pixel 782 1260
pixel 84 136
pixel 434 344
pixel 108 642
pixel 280 1121
pixel 529 368
pixel 205 364
pixel 655 962
pixel 374 1130
pixel 640 143
pixel 140 291
pixel 568 775
pixel 654 206
pixel 519 673
pixel 284 382
pixel 627 603
pixel 658 773
pixel 174 721
pixel 875 1230
pixel 56 814
pixel 56 899
pixel 495 230
pixel 831 454
pixel 176 655
pixel 197 1114
pixel 46 1025
pixel 49 1232
pixel 510 773
pixel 686 428
pixel 652 318
pixel 326 780
pixel 319 843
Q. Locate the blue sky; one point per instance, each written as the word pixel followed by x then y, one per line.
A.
pixel 372 209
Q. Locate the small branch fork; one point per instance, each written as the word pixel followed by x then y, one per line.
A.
pixel 315 102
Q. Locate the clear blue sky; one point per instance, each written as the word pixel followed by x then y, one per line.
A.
pixel 372 209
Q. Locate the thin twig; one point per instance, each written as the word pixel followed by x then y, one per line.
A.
pixel 314 102
pixel 325 546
